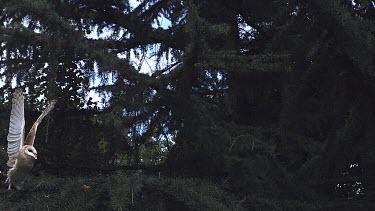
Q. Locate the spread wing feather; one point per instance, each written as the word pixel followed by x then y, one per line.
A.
pixel 31 135
pixel 16 127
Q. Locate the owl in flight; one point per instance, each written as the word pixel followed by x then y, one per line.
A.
pixel 21 152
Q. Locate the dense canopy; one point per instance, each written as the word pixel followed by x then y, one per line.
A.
pixel 273 102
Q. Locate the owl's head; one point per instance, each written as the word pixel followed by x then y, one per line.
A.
pixel 31 151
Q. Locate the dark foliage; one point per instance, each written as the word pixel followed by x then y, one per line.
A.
pixel 272 101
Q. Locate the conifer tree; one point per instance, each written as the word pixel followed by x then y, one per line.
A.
pixel 270 100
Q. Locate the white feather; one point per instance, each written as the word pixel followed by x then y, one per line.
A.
pixel 16 127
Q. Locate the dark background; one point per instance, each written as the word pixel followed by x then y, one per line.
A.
pixel 263 105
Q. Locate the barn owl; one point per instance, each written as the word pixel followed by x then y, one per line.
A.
pixel 21 151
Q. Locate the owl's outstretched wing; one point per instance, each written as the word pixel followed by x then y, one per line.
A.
pixel 31 135
pixel 16 133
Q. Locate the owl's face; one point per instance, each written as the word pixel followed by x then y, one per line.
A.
pixel 31 151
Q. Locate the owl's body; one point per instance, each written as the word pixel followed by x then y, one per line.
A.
pixel 21 168
pixel 21 151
